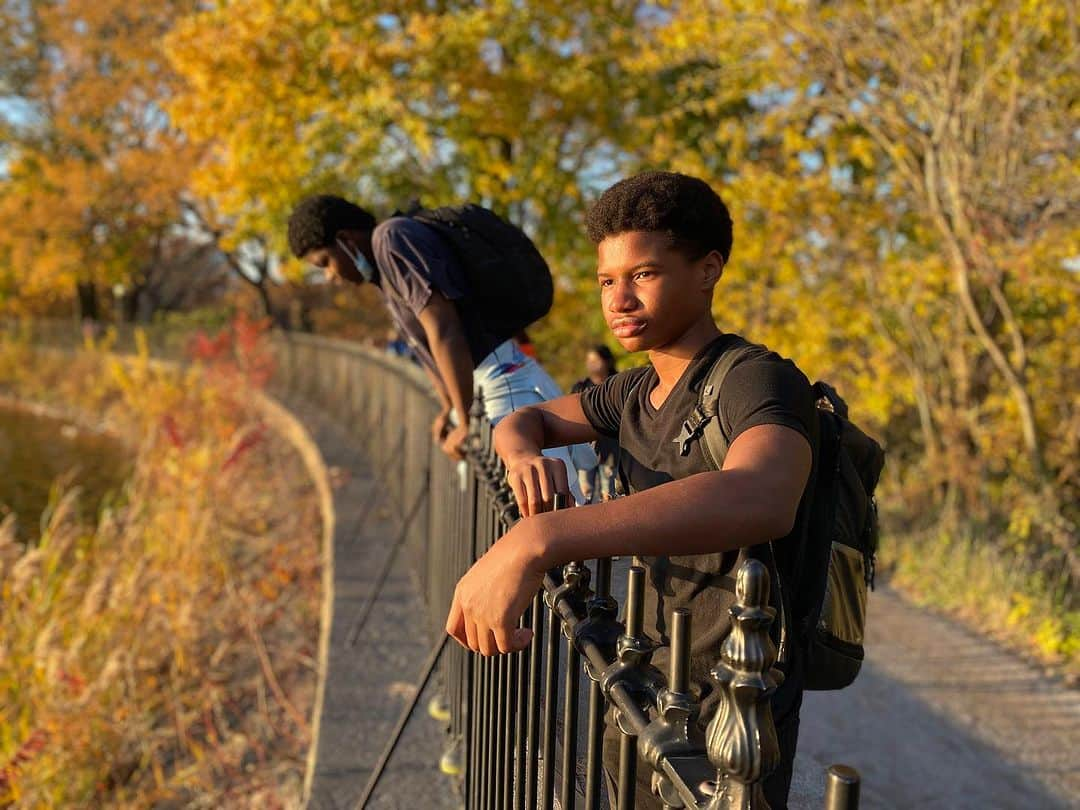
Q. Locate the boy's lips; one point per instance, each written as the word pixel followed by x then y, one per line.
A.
pixel 628 327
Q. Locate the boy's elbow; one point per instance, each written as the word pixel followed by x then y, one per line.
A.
pixel 782 527
pixel 778 520
pixel 504 429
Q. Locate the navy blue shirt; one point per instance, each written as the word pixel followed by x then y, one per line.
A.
pixel 414 262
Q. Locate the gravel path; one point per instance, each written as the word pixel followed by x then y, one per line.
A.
pixel 373 672
pixel 943 718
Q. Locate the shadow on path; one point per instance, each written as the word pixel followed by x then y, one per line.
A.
pixel 943 718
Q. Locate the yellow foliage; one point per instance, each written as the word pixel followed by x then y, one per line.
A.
pixel 93 172
pixel 126 667
pixel 901 178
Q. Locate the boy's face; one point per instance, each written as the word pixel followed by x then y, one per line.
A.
pixel 651 293
pixel 335 263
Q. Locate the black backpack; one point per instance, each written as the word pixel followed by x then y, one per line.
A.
pixel 510 283
pixel 836 561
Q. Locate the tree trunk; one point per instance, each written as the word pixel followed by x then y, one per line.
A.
pixel 87 295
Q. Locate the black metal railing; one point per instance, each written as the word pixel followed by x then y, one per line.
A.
pixel 527 730
pixel 518 734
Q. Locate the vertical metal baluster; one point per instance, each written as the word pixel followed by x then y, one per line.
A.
pixel 547 792
pixel 635 609
pixel 498 664
pixel 471 768
pixel 627 771
pixel 594 758
pixel 675 703
pixel 498 729
pixel 568 789
pixel 493 731
pixel 746 679
pixel 522 711
pixel 482 704
pixel 679 671
pixel 481 512
pixel 532 763
pixel 841 788
pixel 482 712
pixel 507 770
pixel 461 674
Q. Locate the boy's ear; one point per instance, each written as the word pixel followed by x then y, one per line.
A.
pixel 712 266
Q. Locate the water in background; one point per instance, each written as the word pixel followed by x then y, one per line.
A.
pixel 36 451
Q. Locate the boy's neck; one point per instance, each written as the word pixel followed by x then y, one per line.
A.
pixel 672 359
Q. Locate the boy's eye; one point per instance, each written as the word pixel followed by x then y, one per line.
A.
pixel 643 274
pixel 606 282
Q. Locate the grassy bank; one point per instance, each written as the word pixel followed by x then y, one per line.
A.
pixel 163 654
pixel 993 591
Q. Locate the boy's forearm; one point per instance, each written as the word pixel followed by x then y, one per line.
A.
pixel 557 422
pixel 705 513
pixel 454 361
pixel 437 383
pixel 520 435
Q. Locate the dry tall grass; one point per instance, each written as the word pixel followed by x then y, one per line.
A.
pixel 163 656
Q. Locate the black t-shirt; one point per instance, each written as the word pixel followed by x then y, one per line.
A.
pixel 606 447
pixel 763 390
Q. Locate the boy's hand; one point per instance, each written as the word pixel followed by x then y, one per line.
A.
pixel 535 481
pixel 440 425
pixel 493 594
pixel 454 441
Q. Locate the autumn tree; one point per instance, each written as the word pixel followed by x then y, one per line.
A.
pixel 900 176
pixel 903 177
pixel 512 105
pixel 93 170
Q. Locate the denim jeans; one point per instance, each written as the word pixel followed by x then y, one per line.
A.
pixel 509 379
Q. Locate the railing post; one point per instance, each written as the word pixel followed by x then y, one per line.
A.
pixel 741 738
pixel 673 733
pixel 602 610
pixel 841 788
pixel 633 651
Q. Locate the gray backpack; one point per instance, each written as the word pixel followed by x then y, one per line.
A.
pixel 836 561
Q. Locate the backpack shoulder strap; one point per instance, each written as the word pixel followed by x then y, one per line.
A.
pixel 704 421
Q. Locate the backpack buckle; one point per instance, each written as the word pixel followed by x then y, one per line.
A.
pixel 691 430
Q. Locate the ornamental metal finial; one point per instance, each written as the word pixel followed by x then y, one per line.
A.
pixel 741 738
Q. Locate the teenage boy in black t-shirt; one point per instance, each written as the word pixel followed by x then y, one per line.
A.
pixel 663 240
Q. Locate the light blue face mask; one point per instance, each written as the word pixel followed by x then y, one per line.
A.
pixel 363 266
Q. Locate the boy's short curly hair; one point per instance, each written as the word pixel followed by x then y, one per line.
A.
pixel 315 222
pixel 684 207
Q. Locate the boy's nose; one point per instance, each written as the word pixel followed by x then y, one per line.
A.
pixel 622 299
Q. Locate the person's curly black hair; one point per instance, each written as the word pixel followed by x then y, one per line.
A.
pixel 684 207
pixel 315 222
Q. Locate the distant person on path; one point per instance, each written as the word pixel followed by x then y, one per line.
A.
pixel 598 483
pixel 428 294
pixel 663 241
